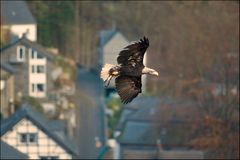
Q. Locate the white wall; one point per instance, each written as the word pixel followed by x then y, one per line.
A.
pixel 113 47
pixel 20 29
pixel 44 147
pixel 35 78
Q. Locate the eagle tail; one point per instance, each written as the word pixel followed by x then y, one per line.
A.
pixel 105 71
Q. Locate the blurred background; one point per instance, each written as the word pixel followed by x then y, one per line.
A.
pixel 55 106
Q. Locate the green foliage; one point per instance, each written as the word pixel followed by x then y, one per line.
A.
pixel 66 67
pixel 33 102
pixel 114 105
pixel 2 44
pixel 55 20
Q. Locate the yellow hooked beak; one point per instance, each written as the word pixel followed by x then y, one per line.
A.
pixel 155 73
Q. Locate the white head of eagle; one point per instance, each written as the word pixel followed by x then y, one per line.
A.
pixel 129 70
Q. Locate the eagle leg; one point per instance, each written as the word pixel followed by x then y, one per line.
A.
pixel 107 81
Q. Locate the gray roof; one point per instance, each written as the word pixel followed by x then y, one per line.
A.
pixel 7 67
pixel 141 108
pixel 39 120
pixel 57 125
pixel 142 101
pixel 125 113
pixel 24 41
pixel 148 107
pixel 139 133
pixel 106 35
pixel 89 81
pixel 16 12
pixel 137 122
pixel 8 152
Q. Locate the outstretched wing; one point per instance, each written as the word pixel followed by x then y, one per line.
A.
pixel 133 54
pixel 128 87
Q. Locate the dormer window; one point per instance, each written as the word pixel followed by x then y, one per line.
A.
pixel 28 138
pixel 21 53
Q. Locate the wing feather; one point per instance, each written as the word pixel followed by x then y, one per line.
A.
pixel 133 54
pixel 128 87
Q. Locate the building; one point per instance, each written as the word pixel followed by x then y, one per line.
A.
pixel 30 133
pixel 178 153
pixel 111 42
pixel 151 128
pixel 7 80
pixel 91 131
pixel 138 132
pixel 33 64
pixel 17 19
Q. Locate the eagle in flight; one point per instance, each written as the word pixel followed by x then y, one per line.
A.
pixel 129 71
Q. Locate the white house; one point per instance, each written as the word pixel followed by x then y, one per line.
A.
pixel 111 42
pixel 16 17
pixel 33 63
pixel 30 133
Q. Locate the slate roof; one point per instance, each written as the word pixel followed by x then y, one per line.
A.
pixel 24 41
pixel 147 109
pixel 16 12
pixel 139 133
pixel 7 67
pixel 141 109
pixel 125 113
pixel 39 120
pixel 106 35
pixel 8 152
pixel 89 80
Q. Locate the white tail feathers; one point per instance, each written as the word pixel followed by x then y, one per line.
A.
pixel 105 71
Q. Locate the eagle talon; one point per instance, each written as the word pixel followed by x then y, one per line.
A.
pixel 107 81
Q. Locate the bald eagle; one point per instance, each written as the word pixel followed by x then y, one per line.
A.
pixel 129 70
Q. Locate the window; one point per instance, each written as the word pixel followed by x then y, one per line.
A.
pixel 32 54
pixel 33 68
pixel 32 137
pixel 48 157
pixel 21 53
pixel 28 138
pixel 23 138
pixel 40 87
pixel 40 69
pixel 33 87
pixel 39 56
